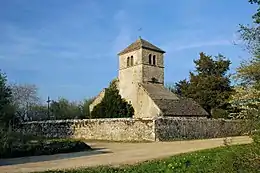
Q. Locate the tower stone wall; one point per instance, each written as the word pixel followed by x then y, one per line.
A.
pixel 150 71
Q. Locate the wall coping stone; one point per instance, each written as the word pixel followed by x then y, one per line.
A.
pixel 88 120
pixel 129 119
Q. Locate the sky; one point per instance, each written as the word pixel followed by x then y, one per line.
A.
pixel 69 48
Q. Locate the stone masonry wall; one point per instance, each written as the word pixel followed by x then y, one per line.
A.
pixel 197 128
pixel 122 129
pixel 146 108
pixel 97 100
pixel 126 129
pixel 151 71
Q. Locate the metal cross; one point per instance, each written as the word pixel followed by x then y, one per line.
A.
pixel 139 30
pixel 48 102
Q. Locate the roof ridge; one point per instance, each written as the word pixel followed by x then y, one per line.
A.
pixel 140 43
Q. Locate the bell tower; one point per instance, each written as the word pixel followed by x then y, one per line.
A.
pixel 141 62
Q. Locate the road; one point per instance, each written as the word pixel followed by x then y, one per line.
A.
pixel 112 154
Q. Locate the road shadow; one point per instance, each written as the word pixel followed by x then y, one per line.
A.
pixel 33 159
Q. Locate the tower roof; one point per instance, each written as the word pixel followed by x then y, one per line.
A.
pixel 140 43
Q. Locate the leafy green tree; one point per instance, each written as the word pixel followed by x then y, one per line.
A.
pixel 60 109
pixel 209 85
pixel 112 105
pixel 63 109
pixel 6 109
pixel 256 16
pixel 249 71
pixel 181 88
pixel 38 112
pixel 247 96
pixel 84 106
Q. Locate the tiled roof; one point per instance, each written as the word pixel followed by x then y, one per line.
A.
pixel 172 105
pixel 138 44
pixel 158 91
pixel 180 107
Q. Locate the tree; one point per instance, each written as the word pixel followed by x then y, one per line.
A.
pixel 84 107
pixel 209 85
pixel 112 105
pixel 249 71
pixel 38 112
pixel 63 109
pixel 247 96
pixel 256 16
pixel 6 109
pixel 24 97
pixel 181 88
pixel 247 101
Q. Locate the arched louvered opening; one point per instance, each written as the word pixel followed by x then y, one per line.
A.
pixel 128 61
pixel 154 60
pixel 150 59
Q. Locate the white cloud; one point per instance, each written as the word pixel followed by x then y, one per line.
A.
pixel 203 44
pixel 182 46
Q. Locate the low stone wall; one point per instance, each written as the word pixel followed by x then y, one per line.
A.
pixel 167 128
pixel 122 129
pixel 126 129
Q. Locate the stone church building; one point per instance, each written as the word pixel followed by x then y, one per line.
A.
pixel 141 82
pixel 159 115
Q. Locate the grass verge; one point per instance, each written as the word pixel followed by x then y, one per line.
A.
pixel 230 159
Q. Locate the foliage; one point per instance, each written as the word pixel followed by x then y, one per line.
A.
pixel 247 100
pixel 249 71
pixel 63 109
pixel 38 112
pixel 251 34
pixel 182 88
pixel 18 145
pixel 209 85
pixel 220 113
pixel 84 106
pixel 112 105
pixel 60 109
pixel 247 96
pixel 222 159
pixel 256 17
pixel 6 109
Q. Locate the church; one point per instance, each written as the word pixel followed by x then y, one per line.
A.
pixel 160 115
pixel 141 82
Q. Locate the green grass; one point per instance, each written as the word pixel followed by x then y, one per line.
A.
pixel 230 159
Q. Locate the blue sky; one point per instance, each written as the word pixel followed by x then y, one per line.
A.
pixel 69 48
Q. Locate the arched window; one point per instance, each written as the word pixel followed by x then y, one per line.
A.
pixel 154 59
pixel 132 60
pixel 150 59
pixel 128 61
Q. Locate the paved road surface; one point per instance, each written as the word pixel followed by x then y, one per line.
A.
pixel 112 154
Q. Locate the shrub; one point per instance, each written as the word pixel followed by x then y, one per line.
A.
pixel 112 105
pixel 12 145
pixel 220 113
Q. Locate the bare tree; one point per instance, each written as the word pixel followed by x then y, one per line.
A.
pixel 24 97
